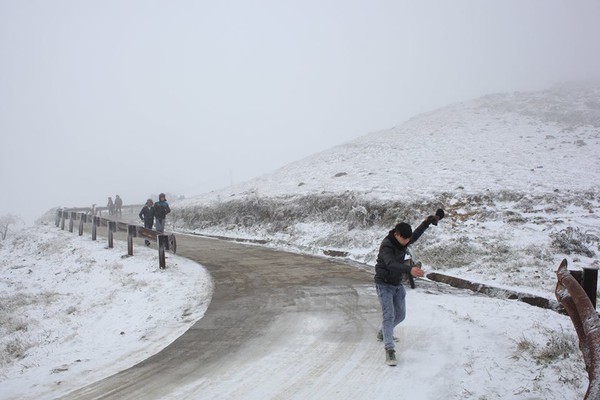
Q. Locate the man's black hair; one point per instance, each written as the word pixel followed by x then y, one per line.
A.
pixel 404 230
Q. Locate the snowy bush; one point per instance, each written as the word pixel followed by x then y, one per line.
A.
pixel 559 346
pixel 13 349
pixel 456 253
pixel 575 241
pixel 512 237
pixel 348 209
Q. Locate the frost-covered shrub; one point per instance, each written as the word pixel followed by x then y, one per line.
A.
pixel 456 253
pixel 514 218
pixel 346 209
pixel 14 349
pixel 357 215
pixel 12 343
pixel 508 196
pixel 12 325
pixel 496 252
pixel 575 241
pixel 559 345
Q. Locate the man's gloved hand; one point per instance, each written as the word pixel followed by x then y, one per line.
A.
pixel 440 213
pixel 433 219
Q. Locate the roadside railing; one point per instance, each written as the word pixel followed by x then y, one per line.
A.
pixel 166 242
pixel 577 299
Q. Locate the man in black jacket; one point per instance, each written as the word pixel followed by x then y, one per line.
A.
pixel 389 270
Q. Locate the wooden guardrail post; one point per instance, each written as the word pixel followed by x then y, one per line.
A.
pixel 72 216
pixel 586 322
pixel 163 243
pixel 95 224
pixel 131 233
pixel 82 220
pixel 62 221
pixel 112 227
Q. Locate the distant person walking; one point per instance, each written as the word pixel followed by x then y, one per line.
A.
pixel 111 206
pixel 147 215
pixel 118 205
pixel 389 271
pixel 161 209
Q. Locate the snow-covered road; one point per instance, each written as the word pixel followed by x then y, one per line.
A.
pixel 265 304
pixel 289 326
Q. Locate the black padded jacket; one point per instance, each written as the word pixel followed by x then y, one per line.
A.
pixel 390 261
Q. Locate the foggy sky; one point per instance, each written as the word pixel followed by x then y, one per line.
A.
pixel 141 97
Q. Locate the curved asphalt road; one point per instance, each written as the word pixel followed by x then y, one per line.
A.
pixel 265 304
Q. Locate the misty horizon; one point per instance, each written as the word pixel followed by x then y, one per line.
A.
pixel 139 98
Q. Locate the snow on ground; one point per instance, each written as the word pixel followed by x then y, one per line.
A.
pixel 78 311
pixel 73 311
pixel 517 175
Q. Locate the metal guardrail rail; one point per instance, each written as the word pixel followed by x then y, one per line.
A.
pixel 572 295
pixel 166 242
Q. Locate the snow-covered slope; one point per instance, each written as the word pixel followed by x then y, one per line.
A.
pixel 517 174
pixel 520 142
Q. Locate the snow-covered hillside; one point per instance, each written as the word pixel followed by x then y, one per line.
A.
pixel 519 142
pixel 517 174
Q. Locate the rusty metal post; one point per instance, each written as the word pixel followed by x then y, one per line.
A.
pixel 578 275
pixel 586 321
pixel 131 233
pixel 589 281
pixel 162 245
pixel 112 227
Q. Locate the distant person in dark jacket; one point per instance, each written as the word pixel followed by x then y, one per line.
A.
pixel 161 209
pixel 147 215
pixel 118 205
pixel 389 270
